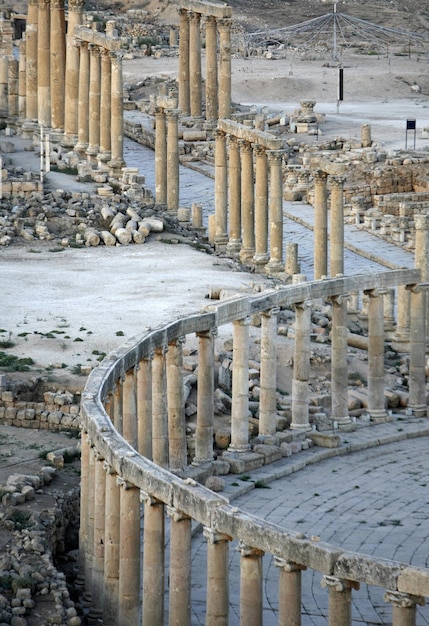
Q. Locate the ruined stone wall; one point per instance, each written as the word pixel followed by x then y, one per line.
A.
pixel 58 411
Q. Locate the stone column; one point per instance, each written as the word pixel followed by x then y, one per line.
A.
pixel 389 312
pixel 117 119
pixel 90 517
pixel 84 493
pixel 376 402
pixel 4 87
pixel 31 34
pixel 176 406
pixel 180 568
pixel 94 103
pixel 251 605
pixel 234 187
pixel 105 109
pixel 403 607
pixel 129 409
pixel 159 409
pixel 289 592
pixel 153 562
pixel 261 206
pixel 339 370
pixel 240 387
pixel 129 554
pixel 340 600
pixel 320 226
pixel 97 585
pixel 117 406
pixel 421 224
pixel 217 578
pixel 144 408
pixel 224 28
pixel 22 91
pixel 58 63
pixel 44 64
pixel 172 160
pixel 247 202
pixel 221 192
pixel 417 375
pixel 205 404
pixel 195 63
pixel 292 265
pixel 111 549
pixel 337 227
pixel 211 69
pixel 184 92
pixel 268 373
pixel 71 98
pixel 275 264
pixel 301 367
pixel 13 89
pixel 83 108
pixel 401 338
pixel 160 156
pixel 365 133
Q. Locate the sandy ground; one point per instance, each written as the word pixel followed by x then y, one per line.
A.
pixel 88 301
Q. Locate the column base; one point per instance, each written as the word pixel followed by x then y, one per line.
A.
pixel 246 255
pixel 69 141
pixel 81 148
pixel 244 461
pixel 379 416
pixel 233 246
pixel 103 159
pixel 401 342
pixel 419 410
pixel 221 243
pixel 115 167
pixel 301 427
pixel 91 154
pixel 56 135
pixel 28 128
pixel 274 267
pixel 260 259
pixel 197 462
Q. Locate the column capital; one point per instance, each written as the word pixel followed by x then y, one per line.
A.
pixel 249 551
pixel 210 333
pixel 403 600
pixel 108 468
pixel 94 49
pixel 375 293
pixel 245 146
pixel 288 566
pixel 121 482
pixel 44 4
pixel 306 304
pixel 340 299
pixel 275 156
pixel 159 112
pixel 214 536
pixel 57 4
pixel 172 114
pixel 224 24
pixel 259 151
pixel 338 584
pixel 194 16
pixel 233 140
pixel 177 341
pixel 219 134
pixel 160 350
pixel 244 321
pixel 76 5
pixel 148 499
pixel 320 176
pixel 271 312
pixel 337 181
pixel 176 515
pixel 211 19
pixel 184 13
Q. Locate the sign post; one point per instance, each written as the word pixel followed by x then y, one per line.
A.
pixel 411 125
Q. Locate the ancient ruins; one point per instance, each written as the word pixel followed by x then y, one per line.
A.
pixel 165 418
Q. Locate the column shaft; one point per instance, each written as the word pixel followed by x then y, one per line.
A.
pixel 13 80
pixel 261 206
pixel 195 64
pixel 44 64
pixel 301 367
pixel 117 117
pixel 247 202
pixel 320 226
pixel 84 492
pixel 268 373
pixel 97 586
pixel 205 404
pixel 251 586
pixel 71 99
pixel 153 564
pixel 83 108
pixel 234 200
pixel 22 92
pixel 129 555
pixel 172 160
pixel 240 387
pixel 224 27
pixel 180 569
pixel 144 408
pixel 417 374
pixel 31 34
pixel 160 157
pixel 217 578
pixel 289 593
pixel 58 63
pixel 221 192
pixel 211 69
pixel 276 212
pixel 111 550
pixel 4 86
pixel 94 102
pixel 184 93
pixel 176 406
pixel 105 107
pixel 340 606
pixel 339 370
pixel 337 227
pixel 129 408
pixel 90 518
pixel 376 402
pixel 159 409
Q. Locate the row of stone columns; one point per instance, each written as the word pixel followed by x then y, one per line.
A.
pixel 218 72
pixel 249 191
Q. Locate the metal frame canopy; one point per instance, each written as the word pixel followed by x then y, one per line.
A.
pixel 336 30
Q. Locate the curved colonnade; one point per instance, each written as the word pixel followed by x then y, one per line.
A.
pixel 135 475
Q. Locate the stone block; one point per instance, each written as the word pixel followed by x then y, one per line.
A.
pixel 415 581
pixel 358 567
pixel 324 440
pixel 270 453
pixel 242 462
